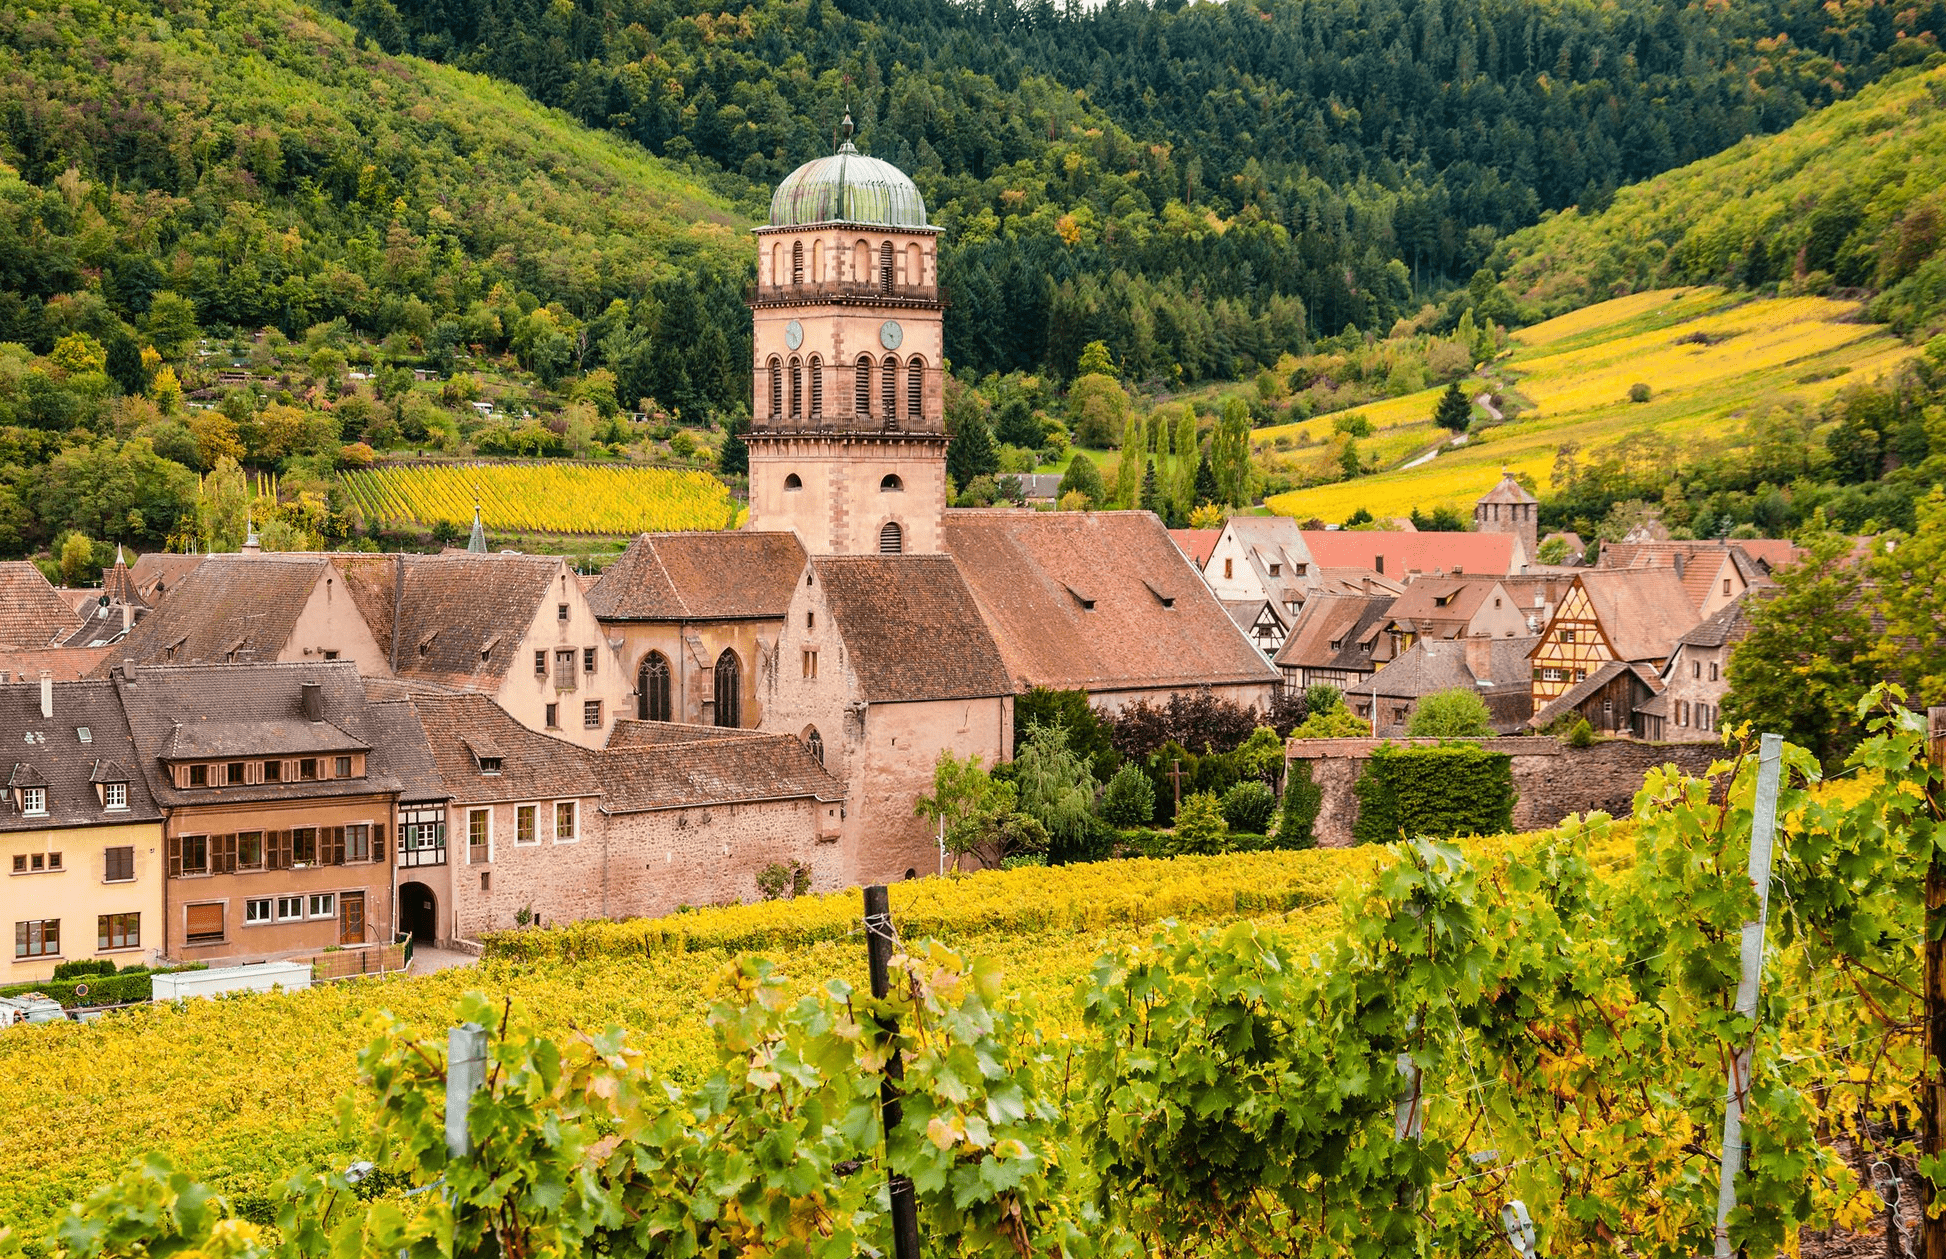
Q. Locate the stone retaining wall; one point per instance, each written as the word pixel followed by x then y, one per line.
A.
pixel 1551 778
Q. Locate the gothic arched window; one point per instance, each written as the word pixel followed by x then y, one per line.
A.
pixel 776 388
pixel 814 741
pixel 652 689
pixel 885 267
pixel 797 262
pixel 817 386
pixel 915 387
pixel 797 387
pixel 889 391
pixel 891 539
pixel 861 401
pixel 729 689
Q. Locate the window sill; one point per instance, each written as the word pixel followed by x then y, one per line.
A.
pixel 38 958
pixel 112 882
pixel 126 948
pixel 205 944
pixel 22 874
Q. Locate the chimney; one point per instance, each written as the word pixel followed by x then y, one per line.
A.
pixel 1479 658
pixel 128 616
pixel 128 672
pixel 47 694
pixel 313 701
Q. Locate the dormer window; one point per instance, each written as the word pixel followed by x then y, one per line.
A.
pixel 273 771
pixel 307 769
pixel 489 764
pixel 341 768
pixel 1276 570
pixel 33 801
pixel 114 795
pixel 233 774
pixel 199 775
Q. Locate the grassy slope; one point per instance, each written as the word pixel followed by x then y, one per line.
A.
pixel 1577 371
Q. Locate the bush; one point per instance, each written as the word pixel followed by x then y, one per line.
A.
pixel 1200 828
pixel 1303 798
pixel 1458 789
pixel 1639 392
pixel 1455 714
pixel 1129 799
pixel 1580 734
pixel 1333 723
pixel 1093 840
pixel 83 969
pixel 1248 807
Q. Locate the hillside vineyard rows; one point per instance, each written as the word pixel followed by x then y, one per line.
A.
pixel 1221 1085
pixel 564 498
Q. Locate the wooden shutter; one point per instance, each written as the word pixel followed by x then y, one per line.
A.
pixel 331 846
pixel 378 841
pixel 175 856
pixel 277 850
pixel 204 922
pixel 222 854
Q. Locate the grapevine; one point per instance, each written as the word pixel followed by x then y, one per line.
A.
pixel 543 497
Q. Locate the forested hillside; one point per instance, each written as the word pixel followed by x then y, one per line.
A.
pixel 1165 178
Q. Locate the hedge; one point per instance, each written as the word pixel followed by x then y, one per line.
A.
pixel 129 985
pixel 1453 789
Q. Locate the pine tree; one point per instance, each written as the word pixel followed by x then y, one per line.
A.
pixel 1454 411
pixel 1206 491
pixel 1152 492
pixel 735 457
pixel 1082 476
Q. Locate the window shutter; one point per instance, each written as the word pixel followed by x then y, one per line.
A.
pixel 332 839
pixel 204 922
pixel 222 854
pixel 278 844
pixel 378 841
pixel 175 856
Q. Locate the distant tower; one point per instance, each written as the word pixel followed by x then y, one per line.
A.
pixel 1509 508
pixel 476 541
pixel 848 439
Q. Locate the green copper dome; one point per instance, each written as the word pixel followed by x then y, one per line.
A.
pixel 847 187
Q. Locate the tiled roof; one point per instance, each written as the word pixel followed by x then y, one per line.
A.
pixel 242 604
pixel 32 612
pixel 456 604
pixel 157 574
pixel 65 663
pixel 274 736
pixel 101 625
pixel 118 583
pixel 1244 612
pixel 1507 491
pixel 1772 553
pixel 911 628
pixel 51 751
pixel 1197 544
pixel 226 699
pixel 1153 621
pixel 1643 611
pixel 1421 605
pixel 709 772
pixel 1728 624
pixel 1393 554
pixel 1427 668
pixel 1572 698
pixel 534 766
pixel 1345 620
pixel 700 577
pixel 630 733
pixel 395 724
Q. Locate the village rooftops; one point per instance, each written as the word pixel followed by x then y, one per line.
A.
pixel 1575 696
pixel 234 608
pixel 747 768
pixel 1393 554
pixel 911 628
pixel 484 756
pixel 700 577
pixel 275 736
pixel 1098 601
pixel 32 613
pixel 1643 611
pixel 461 616
pixel 1336 631
pixel 74 759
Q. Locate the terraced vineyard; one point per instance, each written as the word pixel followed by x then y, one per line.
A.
pixel 1706 356
pixel 574 498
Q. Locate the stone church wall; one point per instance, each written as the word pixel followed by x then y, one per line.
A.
pixel 1551 779
pixel 711 856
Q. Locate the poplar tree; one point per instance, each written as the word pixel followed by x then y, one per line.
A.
pixel 1128 473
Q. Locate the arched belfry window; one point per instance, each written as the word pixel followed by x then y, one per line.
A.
pixel 861 263
pixel 889 393
pixel 891 483
pixel 652 689
pixel 793 482
pixel 861 401
pixel 885 267
pixel 817 386
pixel 777 263
pixel 815 742
pixel 776 388
pixel 914 269
pixel 891 539
pixel 797 387
pixel 915 387
pixel 797 262
pixel 729 689
pixel 817 262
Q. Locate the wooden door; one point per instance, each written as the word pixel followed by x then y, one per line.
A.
pixel 351 918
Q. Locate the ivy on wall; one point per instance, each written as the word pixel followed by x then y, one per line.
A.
pixel 1453 789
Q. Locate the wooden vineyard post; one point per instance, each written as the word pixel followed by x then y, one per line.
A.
pixel 1932 1232
pixel 880 937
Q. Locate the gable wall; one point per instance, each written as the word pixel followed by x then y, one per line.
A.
pixel 525 694
pixel 1572 661
pixel 692 648
pixel 330 621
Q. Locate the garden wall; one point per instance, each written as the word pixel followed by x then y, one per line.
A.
pixel 1552 779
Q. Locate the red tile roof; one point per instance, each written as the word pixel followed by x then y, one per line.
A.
pixel 1197 544
pixel 32 612
pixel 700 577
pixel 911 628
pixel 1487 554
pixel 1643 611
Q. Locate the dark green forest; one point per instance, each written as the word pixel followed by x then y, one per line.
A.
pixel 1165 179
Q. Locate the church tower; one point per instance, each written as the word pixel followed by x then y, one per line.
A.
pixel 1509 508
pixel 848 434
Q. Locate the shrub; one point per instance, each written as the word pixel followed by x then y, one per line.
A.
pixel 1333 723
pixel 84 968
pixel 1458 789
pixel 1129 799
pixel 1248 807
pixel 1639 392
pixel 1455 714
pixel 784 880
pixel 1580 734
pixel 1303 798
pixel 1200 828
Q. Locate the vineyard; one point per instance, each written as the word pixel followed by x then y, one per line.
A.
pixel 1705 355
pixel 1203 1057
pixel 520 498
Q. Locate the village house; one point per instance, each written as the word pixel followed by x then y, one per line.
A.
pixel 1436 608
pixel 1260 558
pixel 421 855
pixel 1403 556
pixel 80 835
pixel 1713 574
pixel 1601 653
pixel 256 608
pixel 279 807
pixel 1696 677
pixel 883 663
pixel 1260 622
pixel 1339 640
pixel 1495 669
pixel 1102 602
pixel 695 613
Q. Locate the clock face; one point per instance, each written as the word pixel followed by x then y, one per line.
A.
pixel 793 334
pixel 890 334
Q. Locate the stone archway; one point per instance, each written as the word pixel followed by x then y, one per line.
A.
pixel 419 913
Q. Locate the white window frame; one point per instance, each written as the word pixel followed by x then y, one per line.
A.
pixel 330 909
pixel 116 796
pixel 536 841
pixel 555 824
pixel 468 845
pixel 33 802
pixel 296 917
pixel 269 915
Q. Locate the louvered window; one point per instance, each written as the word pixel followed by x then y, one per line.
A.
pixel 891 539
pixel 889 392
pixel 817 385
pixel 885 267
pixel 915 388
pixel 861 401
pixel 776 388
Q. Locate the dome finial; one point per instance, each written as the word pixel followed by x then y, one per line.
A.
pixel 845 131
